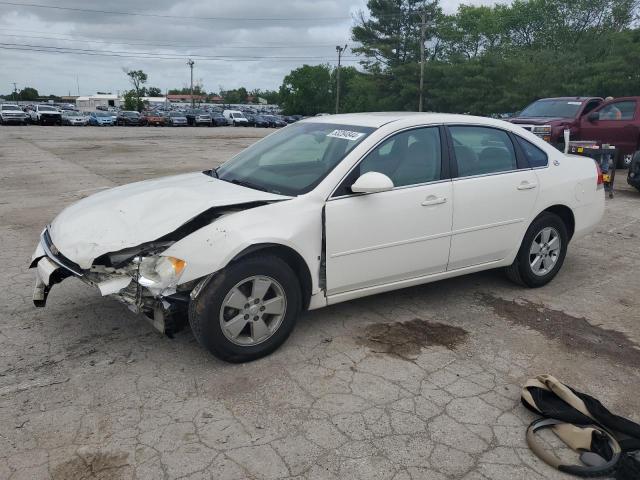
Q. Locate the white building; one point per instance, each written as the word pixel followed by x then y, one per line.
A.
pixel 92 102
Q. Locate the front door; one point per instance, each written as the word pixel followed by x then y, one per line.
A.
pixel 617 124
pixel 378 238
pixel 492 196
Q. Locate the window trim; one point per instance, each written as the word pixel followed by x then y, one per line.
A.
pixel 520 151
pixel 521 162
pixel 445 174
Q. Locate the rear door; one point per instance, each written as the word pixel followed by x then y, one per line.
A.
pixel 617 124
pixel 494 193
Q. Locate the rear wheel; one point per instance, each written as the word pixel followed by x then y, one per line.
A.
pixel 247 310
pixel 541 253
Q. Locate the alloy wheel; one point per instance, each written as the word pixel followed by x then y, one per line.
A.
pixel 545 251
pixel 253 310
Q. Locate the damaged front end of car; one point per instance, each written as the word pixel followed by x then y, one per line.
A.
pixel 140 277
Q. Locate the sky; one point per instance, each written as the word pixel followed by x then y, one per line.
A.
pixel 67 50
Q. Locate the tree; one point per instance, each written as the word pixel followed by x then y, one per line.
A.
pixel 271 96
pixel 307 90
pixel 154 92
pixel 29 94
pixel 238 95
pixel 137 78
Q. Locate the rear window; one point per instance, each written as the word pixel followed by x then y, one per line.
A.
pixel 535 156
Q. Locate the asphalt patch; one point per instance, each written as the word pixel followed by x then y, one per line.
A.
pixel 406 339
pixel 575 333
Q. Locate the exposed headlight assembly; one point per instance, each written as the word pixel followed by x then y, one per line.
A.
pixel 158 273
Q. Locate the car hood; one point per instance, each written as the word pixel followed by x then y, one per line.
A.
pixel 538 120
pixel 142 212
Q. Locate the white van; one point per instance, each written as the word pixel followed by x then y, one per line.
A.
pixel 235 118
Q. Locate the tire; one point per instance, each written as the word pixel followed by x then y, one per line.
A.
pixel 207 314
pixel 521 270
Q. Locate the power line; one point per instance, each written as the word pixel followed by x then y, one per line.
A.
pixel 173 45
pixel 151 56
pixel 184 17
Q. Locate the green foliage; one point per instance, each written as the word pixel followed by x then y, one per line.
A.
pixel 137 78
pixel 238 95
pixel 132 101
pixel 480 59
pixel 28 93
pixel 153 92
pixel 307 91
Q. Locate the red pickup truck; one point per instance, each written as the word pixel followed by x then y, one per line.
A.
pixel 616 122
pixel 549 117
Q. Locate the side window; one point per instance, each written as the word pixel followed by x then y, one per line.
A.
pixel 590 106
pixel 482 150
pixel 535 156
pixel 618 111
pixel 408 158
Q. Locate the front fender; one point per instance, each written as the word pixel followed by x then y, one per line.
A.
pixel 296 224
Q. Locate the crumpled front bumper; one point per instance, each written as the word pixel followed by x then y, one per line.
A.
pixel 51 267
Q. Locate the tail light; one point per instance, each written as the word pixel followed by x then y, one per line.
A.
pixel 600 181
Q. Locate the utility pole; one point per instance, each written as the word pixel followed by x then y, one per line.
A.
pixel 15 92
pixel 339 49
pixel 190 63
pixel 423 30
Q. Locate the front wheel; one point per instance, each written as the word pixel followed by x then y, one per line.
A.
pixel 247 310
pixel 541 253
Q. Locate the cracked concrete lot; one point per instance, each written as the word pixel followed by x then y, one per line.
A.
pixel 421 383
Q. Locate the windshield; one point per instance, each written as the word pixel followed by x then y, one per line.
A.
pixel 176 114
pixel 47 109
pixel 101 114
pixel 10 107
pixel 131 114
pixel 237 115
pixel 295 159
pixel 552 108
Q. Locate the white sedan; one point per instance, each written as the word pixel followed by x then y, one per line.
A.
pixel 325 210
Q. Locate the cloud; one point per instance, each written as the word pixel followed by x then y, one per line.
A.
pixel 257 38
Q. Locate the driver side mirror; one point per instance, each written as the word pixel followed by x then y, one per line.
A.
pixel 372 182
pixel 594 117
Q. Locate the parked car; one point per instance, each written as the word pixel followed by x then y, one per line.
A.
pixel 46 114
pixel 128 118
pixel 71 117
pixel 616 122
pixel 235 118
pixel 155 119
pixel 549 117
pixel 327 210
pixel 260 121
pixel 175 119
pixel 218 120
pixel 198 117
pixel 100 119
pixel 274 121
pixel 10 113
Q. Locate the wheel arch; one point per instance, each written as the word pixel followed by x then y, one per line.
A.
pixel 291 257
pixel 566 215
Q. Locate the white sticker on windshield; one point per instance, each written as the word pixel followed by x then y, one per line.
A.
pixel 574 103
pixel 346 134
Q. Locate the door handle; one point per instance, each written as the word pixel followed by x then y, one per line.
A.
pixel 527 186
pixel 433 200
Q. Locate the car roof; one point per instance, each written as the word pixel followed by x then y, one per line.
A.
pixel 378 119
pixel 580 99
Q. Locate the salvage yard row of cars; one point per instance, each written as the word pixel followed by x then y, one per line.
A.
pixel 51 115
